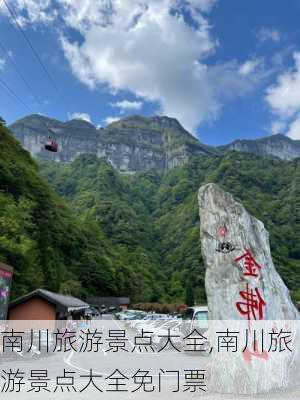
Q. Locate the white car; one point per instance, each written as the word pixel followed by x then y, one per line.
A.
pixel 152 325
pixel 146 324
pixel 128 314
pixel 159 337
pixel 134 322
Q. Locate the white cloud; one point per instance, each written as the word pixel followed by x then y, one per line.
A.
pixel 126 105
pixel 250 66
pixel 294 129
pixel 2 64
pixel 31 11
pixel 143 49
pixel 278 127
pixel 284 100
pixel 284 96
pixel 265 34
pixel 154 49
pixel 79 115
pixel 110 120
pixel 203 5
pixel 3 9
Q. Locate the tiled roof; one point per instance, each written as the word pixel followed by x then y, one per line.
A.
pixel 55 298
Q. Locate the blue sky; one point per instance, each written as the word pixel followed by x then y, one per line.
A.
pixel 226 69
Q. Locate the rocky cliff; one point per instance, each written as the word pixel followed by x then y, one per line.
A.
pixel 279 146
pixel 130 145
pixel 136 143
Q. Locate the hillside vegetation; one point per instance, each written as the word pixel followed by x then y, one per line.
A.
pixel 90 230
pixel 48 244
pixel 152 218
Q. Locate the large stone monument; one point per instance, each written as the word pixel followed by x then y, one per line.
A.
pixel 242 284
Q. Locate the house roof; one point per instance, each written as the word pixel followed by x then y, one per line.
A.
pixel 114 301
pixel 69 302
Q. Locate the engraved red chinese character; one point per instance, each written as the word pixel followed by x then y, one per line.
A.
pixel 249 264
pixel 248 354
pixel 252 305
pixel 222 231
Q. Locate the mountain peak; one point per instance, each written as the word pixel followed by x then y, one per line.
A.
pixel 132 144
pixel 34 118
pixel 79 122
pixel 157 120
pixel 167 121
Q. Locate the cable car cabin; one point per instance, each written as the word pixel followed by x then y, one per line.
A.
pixel 51 145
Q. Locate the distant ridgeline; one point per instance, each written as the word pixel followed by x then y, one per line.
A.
pixel 130 145
pixel 106 233
pixel 135 144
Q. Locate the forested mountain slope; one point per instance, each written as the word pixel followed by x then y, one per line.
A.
pixel 48 245
pixel 136 235
pixel 154 216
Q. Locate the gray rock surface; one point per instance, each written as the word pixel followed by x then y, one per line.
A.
pixel 224 220
pixel 132 144
pixel 135 143
pixel 278 146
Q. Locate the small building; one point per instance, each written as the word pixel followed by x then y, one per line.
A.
pixel 42 304
pixel 116 302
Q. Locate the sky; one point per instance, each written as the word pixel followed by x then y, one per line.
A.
pixel 226 69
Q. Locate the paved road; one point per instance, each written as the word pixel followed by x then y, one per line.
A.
pixel 104 363
pixel 131 360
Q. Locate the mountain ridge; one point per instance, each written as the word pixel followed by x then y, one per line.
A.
pixel 136 143
pixel 131 145
pixel 278 145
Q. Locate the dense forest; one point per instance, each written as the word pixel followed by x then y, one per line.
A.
pixel 153 218
pixel 85 229
pixel 47 243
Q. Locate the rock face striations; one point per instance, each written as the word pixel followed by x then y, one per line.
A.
pixel 242 285
pixel 136 143
pixel 278 146
pixel 132 144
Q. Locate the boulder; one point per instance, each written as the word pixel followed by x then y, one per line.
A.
pixel 242 284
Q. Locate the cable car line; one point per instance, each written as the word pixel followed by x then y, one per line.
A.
pixel 51 144
pixel 24 80
pixel 13 94
pixel 14 17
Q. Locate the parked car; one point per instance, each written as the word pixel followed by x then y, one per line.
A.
pixel 195 323
pixel 149 325
pixel 129 314
pixel 160 333
pixel 92 312
pixel 198 317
